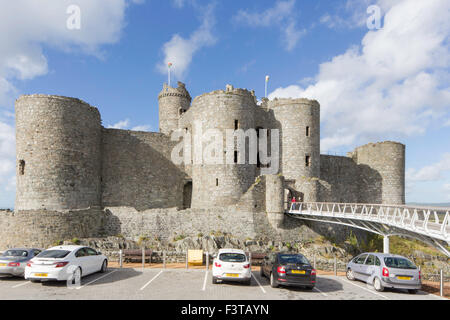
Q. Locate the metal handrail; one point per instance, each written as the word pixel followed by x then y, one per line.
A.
pixel 431 222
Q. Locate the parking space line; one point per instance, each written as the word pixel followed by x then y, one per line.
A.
pixel 322 293
pixel 204 282
pixel 78 288
pixel 21 284
pixel 373 292
pixel 145 286
pixel 264 291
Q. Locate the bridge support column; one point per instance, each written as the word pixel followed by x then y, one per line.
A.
pixel 386 244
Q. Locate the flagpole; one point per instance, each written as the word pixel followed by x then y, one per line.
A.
pixel 267 81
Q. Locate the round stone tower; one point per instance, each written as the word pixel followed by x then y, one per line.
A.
pixel 172 103
pixel 58 142
pixel 299 124
pixel 275 200
pixel 382 172
pixel 223 183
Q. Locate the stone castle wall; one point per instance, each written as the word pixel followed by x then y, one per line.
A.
pixel 137 170
pixel 382 173
pixel 58 153
pixel 339 180
pixel 295 117
pixel 172 103
pixel 69 168
pixel 42 228
pixel 221 184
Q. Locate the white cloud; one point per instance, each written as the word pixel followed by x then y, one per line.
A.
pixel 353 13
pixel 141 128
pixel 282 15
pixel 180 51
pixel 447 123
pixel 433 172
pixel 125 125
pixel 26 28
pixel 395 84
pixel 178 3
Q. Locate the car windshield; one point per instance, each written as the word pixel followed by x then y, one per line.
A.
pixel 53 254
pixel 232 257
pixel 292 258
pixel 399 263
pixel 15 253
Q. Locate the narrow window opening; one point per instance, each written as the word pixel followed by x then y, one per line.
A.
pixel 236 124
pixel 235 157
pixel 307 131
pixel 22 167
pixel 217 182
pixel 307 161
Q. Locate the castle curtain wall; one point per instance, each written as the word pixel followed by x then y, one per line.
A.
pixel 137 171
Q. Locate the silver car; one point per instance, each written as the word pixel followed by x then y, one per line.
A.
pixel 14 261
pixel 385 271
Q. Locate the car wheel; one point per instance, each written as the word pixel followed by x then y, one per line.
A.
pixel 35 281
pixel 77 275
pixel 309 287
pixel 412 291
pixel 377 284
pixel 350 275
pixel 273 282
pixel 104 266
pixel 214 280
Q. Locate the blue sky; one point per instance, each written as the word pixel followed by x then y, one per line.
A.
pixel 373 84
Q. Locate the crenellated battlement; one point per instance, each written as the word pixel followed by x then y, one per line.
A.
pixel 180 91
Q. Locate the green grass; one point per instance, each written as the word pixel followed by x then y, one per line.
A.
pixel 404 246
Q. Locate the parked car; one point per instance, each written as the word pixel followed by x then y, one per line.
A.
pixel 290 269
pixel 62 262
pixel 14 261
pixel 385 271
pixel 231 265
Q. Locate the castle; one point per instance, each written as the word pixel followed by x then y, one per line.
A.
pixel 76 178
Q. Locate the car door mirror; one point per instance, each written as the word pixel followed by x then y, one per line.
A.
pixel 99 253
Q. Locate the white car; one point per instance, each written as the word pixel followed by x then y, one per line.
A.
pixel 62 263
pixel 231 265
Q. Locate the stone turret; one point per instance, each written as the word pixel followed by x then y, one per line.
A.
pixel 58 143
pixel 223 183
pixel 173 102
pixel 382 172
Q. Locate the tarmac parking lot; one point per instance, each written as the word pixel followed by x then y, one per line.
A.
pixel 192 284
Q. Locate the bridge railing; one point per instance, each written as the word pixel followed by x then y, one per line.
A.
pixel 433 220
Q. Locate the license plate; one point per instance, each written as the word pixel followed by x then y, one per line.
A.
pixel 2 264
pixel 404 278
pixel 41 274
pixel 299 271
pixel 235 275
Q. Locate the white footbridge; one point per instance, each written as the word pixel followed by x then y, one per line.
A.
pixel 428 224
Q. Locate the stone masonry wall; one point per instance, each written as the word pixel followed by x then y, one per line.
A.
pixel 138 172
pixel 58 153
pixel 340 176
pixel 170 224
pixel 42 228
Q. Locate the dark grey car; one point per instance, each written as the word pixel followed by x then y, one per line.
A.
pixel 14 261
pixel 385 271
